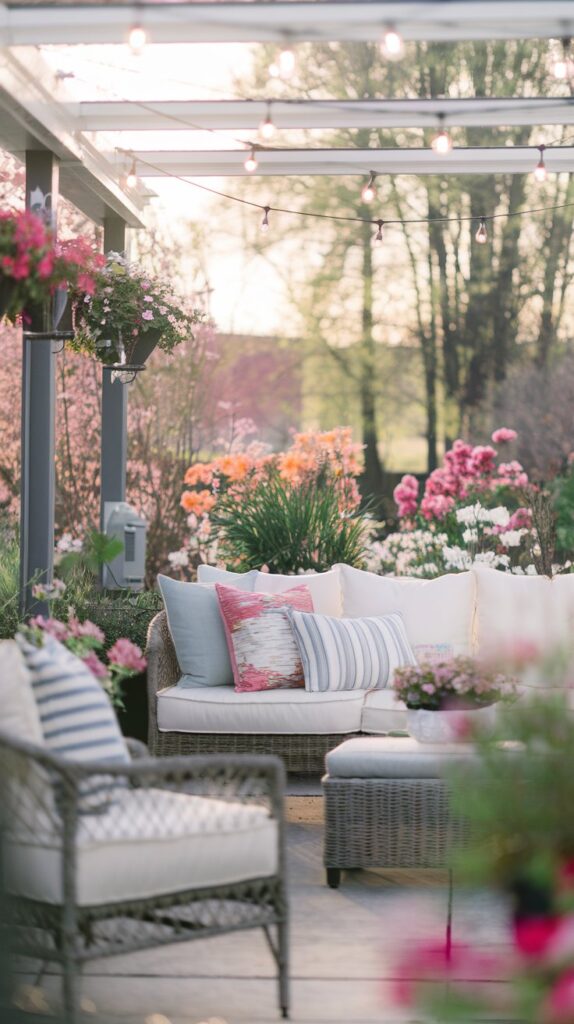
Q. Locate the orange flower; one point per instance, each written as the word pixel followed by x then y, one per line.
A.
pixel 200 473
pixel 198 502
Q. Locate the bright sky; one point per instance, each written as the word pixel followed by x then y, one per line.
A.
pixel 247 294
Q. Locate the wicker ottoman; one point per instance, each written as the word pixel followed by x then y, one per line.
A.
pixel 386 805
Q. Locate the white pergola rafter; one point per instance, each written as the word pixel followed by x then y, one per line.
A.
pixel 229 163
pixel 246 115
pixel 232 22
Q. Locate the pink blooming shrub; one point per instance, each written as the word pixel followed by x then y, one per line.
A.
pixel 87 642
pixel 468 471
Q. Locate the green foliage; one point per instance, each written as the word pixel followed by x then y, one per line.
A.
pixel 564 510
pixel 517 795
pixel 9 584
pixel 98 550
pixel 288 528
pixel 118 614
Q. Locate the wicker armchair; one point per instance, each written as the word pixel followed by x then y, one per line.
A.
pixel 181 848
pixel 300 753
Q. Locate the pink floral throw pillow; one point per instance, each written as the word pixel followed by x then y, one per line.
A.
pixel 263 651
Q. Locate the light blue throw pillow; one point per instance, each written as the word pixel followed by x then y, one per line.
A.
pixel 197 630
pixel 77 719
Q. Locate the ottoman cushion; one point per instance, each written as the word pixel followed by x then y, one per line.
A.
pixel 394 758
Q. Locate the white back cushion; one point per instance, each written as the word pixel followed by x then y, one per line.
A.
pixel 511 609
pixel 325 588
pixel 439 611
pixel 211 574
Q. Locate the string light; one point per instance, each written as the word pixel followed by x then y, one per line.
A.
pixel 137 39
pixel 284 65
pixel 540 172
pixel 251 162
pixel 369 190
pixel 442 142
pixel 392 46
pixel 482 234
pixel 561 66
pixel 379 234
pixel 265 222
pixel 132 178
pixel 267 128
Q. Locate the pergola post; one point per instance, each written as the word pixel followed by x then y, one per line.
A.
pixel 38 411
pixel 114 442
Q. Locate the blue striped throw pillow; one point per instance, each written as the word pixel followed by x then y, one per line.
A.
pixel 77 719
pixel 350 654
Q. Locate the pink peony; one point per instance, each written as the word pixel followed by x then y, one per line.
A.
pixel 147 314
pixel 93 663
pixel 482 460
pixel 532 935
pixel 504 435
pixel 125 654
pixel 436 506
pixel 512 474
pixel 405 495
pixel 560 1004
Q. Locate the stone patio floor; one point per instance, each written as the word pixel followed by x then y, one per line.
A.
pixel 344 946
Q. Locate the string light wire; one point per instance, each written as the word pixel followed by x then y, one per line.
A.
pixel 392 222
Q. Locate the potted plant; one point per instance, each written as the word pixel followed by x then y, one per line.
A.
pixel 127 314
pixel 440 696
pixel 37 270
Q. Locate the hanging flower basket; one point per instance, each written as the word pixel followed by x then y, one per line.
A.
pixel 35 269
pixel 128 314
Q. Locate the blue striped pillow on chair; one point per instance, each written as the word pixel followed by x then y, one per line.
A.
pixel 350 654
pixel 77 719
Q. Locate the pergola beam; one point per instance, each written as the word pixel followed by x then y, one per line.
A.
pixel 229 163
pixel 447 21
pixel 30 117
pixel 246 115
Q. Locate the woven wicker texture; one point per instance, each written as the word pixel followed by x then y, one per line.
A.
pixel 300 753
pixel 220 799
pixel 391 823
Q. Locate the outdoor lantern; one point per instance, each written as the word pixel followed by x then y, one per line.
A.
pixel 123 523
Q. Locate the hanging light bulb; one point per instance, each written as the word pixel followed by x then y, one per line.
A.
pixel 265 222
pixel 561 66
pixel 369 191
pixel 251 162
pixel 267 128
pixel 482 234
pixel 392 46
pixel 540 172
pixel 137 39
pixel 379 234
pixel 286 62
pixel 132 177
pixel 442 142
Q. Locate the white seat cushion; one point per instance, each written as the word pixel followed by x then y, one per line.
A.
pixel 383 712
pixel 281 712
pixel 148 843
pixel 325 588
pixel 439 611
pixel 394 758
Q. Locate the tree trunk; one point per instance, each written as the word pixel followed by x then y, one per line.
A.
pixel 373 476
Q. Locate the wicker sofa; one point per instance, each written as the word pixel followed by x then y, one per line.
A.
pixel 457 614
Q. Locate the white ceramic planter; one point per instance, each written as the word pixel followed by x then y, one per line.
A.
pixel 446 726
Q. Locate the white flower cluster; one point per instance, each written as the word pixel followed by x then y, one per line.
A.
pixel 473 515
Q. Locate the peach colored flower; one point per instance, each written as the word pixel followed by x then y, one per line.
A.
pixel 199 473
pixel 199 502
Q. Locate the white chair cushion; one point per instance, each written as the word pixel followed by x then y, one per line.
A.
pixel 439 611
pixel 281 712
pixel 325 588
pixel 148 843
pixel 212 574
pixel 383 712
pixel 531 608
pixel 394 758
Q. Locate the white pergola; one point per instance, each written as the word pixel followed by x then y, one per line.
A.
pixel 295 21
pixel 41 120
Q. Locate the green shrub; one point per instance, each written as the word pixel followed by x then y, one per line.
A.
pixel 288 528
